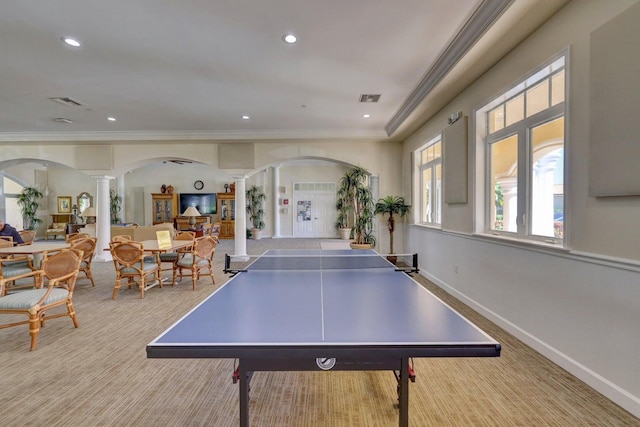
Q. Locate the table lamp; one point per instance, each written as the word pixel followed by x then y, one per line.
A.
pixel 89 214
pixel 192 213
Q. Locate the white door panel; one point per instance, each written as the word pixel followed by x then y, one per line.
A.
pixel 315 212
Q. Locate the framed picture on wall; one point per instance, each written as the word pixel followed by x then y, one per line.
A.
pixel 64 204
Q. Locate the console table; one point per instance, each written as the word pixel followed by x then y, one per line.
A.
pixel 182 222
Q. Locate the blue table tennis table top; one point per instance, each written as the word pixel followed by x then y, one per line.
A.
pixel 314 302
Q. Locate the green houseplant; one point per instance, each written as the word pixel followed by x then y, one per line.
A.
pixel 342 220
pixel 392 205
pixel 115 206
pixel 255 209
pixel 28 203
pixel 355 192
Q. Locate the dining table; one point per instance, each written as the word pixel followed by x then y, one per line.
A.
pixel 156 249
pixel 36 249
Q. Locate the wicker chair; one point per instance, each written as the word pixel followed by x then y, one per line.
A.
pixel 61 270
pixel 73 236
pixel 12 269
pixel 129 262
pixel 88 247
pixel 6 242
pixel 172 257
pixel 12 266
pixel 28 236
pixel 197 259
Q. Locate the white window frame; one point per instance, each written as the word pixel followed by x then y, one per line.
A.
pixel 435 219
pixel 523 129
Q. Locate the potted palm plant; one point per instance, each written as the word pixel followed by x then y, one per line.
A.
pixel 354 190
pixel 28 203
pixel 392 205
pixel 255 209
pixel 342 221
pixel 115 202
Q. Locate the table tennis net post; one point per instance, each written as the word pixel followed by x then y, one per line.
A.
pixel 407 263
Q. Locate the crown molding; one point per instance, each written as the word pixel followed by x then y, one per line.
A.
pixel 482 19
pixel 189 136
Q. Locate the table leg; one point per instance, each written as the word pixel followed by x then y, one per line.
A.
pixel 404 393
pixel 244 396
pixel 37 261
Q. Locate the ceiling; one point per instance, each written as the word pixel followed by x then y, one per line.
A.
pixel 190 69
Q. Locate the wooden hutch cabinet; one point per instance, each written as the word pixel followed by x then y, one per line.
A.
pixel 164 207
pixel 227 215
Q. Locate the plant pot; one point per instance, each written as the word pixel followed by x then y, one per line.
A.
pixel 256 233
pixel 361 245
pixel 345 233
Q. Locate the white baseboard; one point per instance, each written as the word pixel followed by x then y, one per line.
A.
pixel 616 394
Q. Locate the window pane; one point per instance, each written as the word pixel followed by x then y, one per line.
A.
pixel 437 150
pixel 504 188
pixel 496 119
pixel 515 110
pixel 426 193
pixel 423 157
pixel 557 88
pixel 437 200
pixel 538 98
pixel 547 179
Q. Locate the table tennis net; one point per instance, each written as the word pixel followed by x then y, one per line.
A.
pixel 308 262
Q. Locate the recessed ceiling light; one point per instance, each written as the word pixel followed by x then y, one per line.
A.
pixel 289 38
pixel 111 119
pixel 366 116
pixel 245 117
pixel 71 42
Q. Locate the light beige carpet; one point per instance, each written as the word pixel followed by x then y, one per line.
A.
pixel 98 375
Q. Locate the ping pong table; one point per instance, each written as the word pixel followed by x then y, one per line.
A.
pixel 301 310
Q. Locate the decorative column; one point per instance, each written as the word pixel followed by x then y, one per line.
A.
pixel 103 218
pixel 241 216
pixel 542 195
pixel 509 187
pixel 276 201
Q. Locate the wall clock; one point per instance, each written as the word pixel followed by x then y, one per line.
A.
pixel 198 185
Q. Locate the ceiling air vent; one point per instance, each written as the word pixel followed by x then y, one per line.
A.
pixel 369 98
pixel 62 120
pixel 70 102
pixel 180 162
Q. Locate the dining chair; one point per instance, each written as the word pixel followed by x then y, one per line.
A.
pixel 13 265
pixel 28 236
pixel 6 242
pixel 197 259
pixel 172 257
pixel 129 262
pixel 61 271
pixel 88 247
pixel 13 269
pixel 73 236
